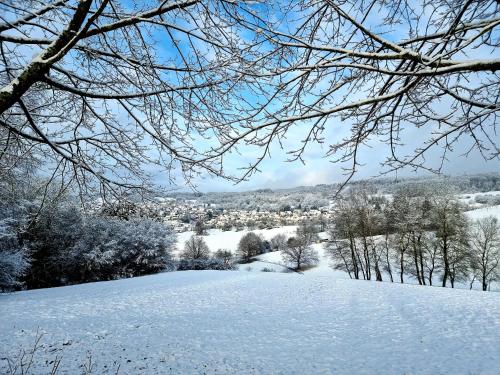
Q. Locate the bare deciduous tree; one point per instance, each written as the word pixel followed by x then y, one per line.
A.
pixel 485 243
pixel 342 255
pixel 199 228
pixel 389 70
pixel 409 216
pixel 278 242
pixel 299 253
pixel 107 89
pixel 451 226
pixel 92 85
pixel 249 246
pixel 104 90
pixel 195 248
pixel 344 234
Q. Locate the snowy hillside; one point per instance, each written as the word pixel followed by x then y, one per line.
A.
pixel 274 261
pixel 209 322
pixel 484 212
pixel 218 239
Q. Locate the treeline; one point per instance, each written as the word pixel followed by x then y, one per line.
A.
pixel 47 240
pixel 475 183
pixel 420 233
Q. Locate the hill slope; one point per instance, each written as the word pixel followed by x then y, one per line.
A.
pixel 209 322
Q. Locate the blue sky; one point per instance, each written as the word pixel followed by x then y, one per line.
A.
pixel 277 173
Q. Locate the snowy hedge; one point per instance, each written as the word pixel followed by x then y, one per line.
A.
pixel 50 241
pixel 205 264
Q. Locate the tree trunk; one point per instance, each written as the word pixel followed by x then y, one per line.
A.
pixel 378 274
pixel 354 260
pixel 417 268
pixel 388 263
pixel 421 258
pixel 367 259
pixel 402 268
pixel 472 282
pixel 360 262
pixel 445 260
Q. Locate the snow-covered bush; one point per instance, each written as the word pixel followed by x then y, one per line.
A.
pixel 53 230
pixel 226 255
pixel 278 242
pixel 70 247
pixel 146 246
pixel 268 269
pixel 110 248
pixel 195 248
pixel 13 258
pixel 196 256
pixel 205 264
pixel 249 246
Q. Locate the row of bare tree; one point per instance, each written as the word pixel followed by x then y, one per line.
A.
pixel 423 235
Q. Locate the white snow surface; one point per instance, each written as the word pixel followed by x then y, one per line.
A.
pixel 471 197
pixel 235 322
pixel 217 239
pixel 484 212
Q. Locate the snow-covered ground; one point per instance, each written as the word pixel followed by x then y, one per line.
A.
pixel 234 322
pixel 470 198
pixel 217 239
pixel 275 261
pixel 484 212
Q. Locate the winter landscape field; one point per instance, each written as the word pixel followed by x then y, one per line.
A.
pixel 246 321
pixel 203 187
pixel 234 322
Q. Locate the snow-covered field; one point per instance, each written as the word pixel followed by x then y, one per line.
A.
pixel 217 239
pixel 239 322
pixel 470 198
pixel 484 212
pixel 274 260
pixel 233 322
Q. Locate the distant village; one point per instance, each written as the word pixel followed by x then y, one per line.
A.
pixel 266 209
pixel 184 215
